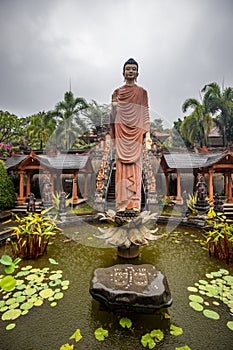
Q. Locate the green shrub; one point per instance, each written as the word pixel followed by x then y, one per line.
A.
pixel 7 192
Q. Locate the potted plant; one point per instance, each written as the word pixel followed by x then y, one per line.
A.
pixel 31 235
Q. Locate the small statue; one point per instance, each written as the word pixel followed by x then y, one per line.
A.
pixel 201 189
pixel 62 203
pixel 31 200
pixel 46 193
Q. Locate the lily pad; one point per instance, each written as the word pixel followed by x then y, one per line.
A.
pixel 53 304
pixel 76 335
pixel 192 289
pixel 230 325
pixel 125 322
pixel 148 340
pixel 46 293
pixel 38 302
pixel 211 314
pixel 11 314
pixel 196 306
pixel 229 279
pixel 8 283
pixel 58 296
pixel 101 334
pixel 174 330
pixel 26 306
pixel 10 326
pixel 196 298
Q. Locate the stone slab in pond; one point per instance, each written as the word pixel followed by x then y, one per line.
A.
pixel 139 288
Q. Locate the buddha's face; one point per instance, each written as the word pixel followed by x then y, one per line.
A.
pixel 130 72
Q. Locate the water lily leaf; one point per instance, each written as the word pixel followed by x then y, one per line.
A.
pixel 65 283
pixel 101 334
pixel 25 268
pixel 58 296
pixel 196 298
pixel 209 275
pixel 10 326
pixel 10 301
pixel 65 287
pixel 76 335
pixel 4 308
pixel 55 276
pixel 203 281
pixel 229 279
pixel 125 322
pixel 174 330
pixel 216 303
pixel 53 261
pixel 230 325
pixel 6 260
pixel 24 312
pixel 192 289
pixel 2 303
pixel 8 283
pixel 186 347
pixel 26 306
pixel 196 306
pixel 11 314
pixel 9 269
pixel 211 314
pixel 38 302
pixel 157 334
pixel 20 298
pixel 53 304
pixel 46 293
pixel 67 347
pixel 147 340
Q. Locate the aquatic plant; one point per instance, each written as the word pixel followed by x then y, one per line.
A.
pixel 31 236
pixel 33 287
pixel 134 231
pixel 219 232
pixel 211 292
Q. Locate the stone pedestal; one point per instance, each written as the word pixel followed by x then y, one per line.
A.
pixel 128 253
pixel 138 288
pixel 202 206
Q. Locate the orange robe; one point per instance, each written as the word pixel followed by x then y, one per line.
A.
pixel 129 124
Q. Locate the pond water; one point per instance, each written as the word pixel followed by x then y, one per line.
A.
pixel 179 256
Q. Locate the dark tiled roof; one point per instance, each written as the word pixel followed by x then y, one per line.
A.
pixel 192 160
pixel 61 161
pixel 14 160
pixel 64 161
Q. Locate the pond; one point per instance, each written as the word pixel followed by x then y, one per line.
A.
pixel 179 256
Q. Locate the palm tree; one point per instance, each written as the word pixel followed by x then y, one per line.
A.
pixel 40 128
pixel 220 102
pixel 67 113
pixel 98 116
pixel 202 119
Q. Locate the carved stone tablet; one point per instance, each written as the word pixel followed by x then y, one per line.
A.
pixel 139 288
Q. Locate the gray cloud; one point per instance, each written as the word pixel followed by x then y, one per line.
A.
pixel 180 46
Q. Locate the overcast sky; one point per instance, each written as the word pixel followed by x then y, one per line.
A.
pixel 180 46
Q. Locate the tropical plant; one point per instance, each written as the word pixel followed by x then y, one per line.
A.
pixel 31 236
pixel 191 201
pixel 40 129
pixel 98 116
pixel 219 231
pixel 220 102
pixel 7 192
pixel 10 127
pixel 56 200
pixel 67 114
pixel 199 123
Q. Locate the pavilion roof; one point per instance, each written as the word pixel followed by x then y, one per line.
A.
pixel 59 161
pixel 192 160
